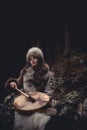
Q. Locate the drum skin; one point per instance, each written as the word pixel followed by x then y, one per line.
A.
pixel 24 105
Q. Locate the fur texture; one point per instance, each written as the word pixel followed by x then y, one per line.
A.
pixel 34 51
pixel 36 121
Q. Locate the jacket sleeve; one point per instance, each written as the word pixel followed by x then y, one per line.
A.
pixel 18 81
pixel 50 86
pixel 7 85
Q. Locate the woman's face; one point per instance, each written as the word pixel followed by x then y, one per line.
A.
pixel 33 61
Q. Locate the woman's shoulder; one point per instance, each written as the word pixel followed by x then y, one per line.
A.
pixel 49 74
pixel 47 66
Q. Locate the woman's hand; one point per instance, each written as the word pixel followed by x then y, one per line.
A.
pixel 13 85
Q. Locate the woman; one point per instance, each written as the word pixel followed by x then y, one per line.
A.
pixel 35 76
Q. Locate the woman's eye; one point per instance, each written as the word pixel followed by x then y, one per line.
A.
pixel 35 57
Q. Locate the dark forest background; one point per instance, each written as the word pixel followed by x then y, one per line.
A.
pixel 23 25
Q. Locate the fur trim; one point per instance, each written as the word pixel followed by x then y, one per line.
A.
pixel 35 51
pixel 35 121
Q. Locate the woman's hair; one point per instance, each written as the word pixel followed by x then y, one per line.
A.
pixel 38 75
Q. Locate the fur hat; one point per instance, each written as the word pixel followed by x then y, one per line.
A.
pixel 34 51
